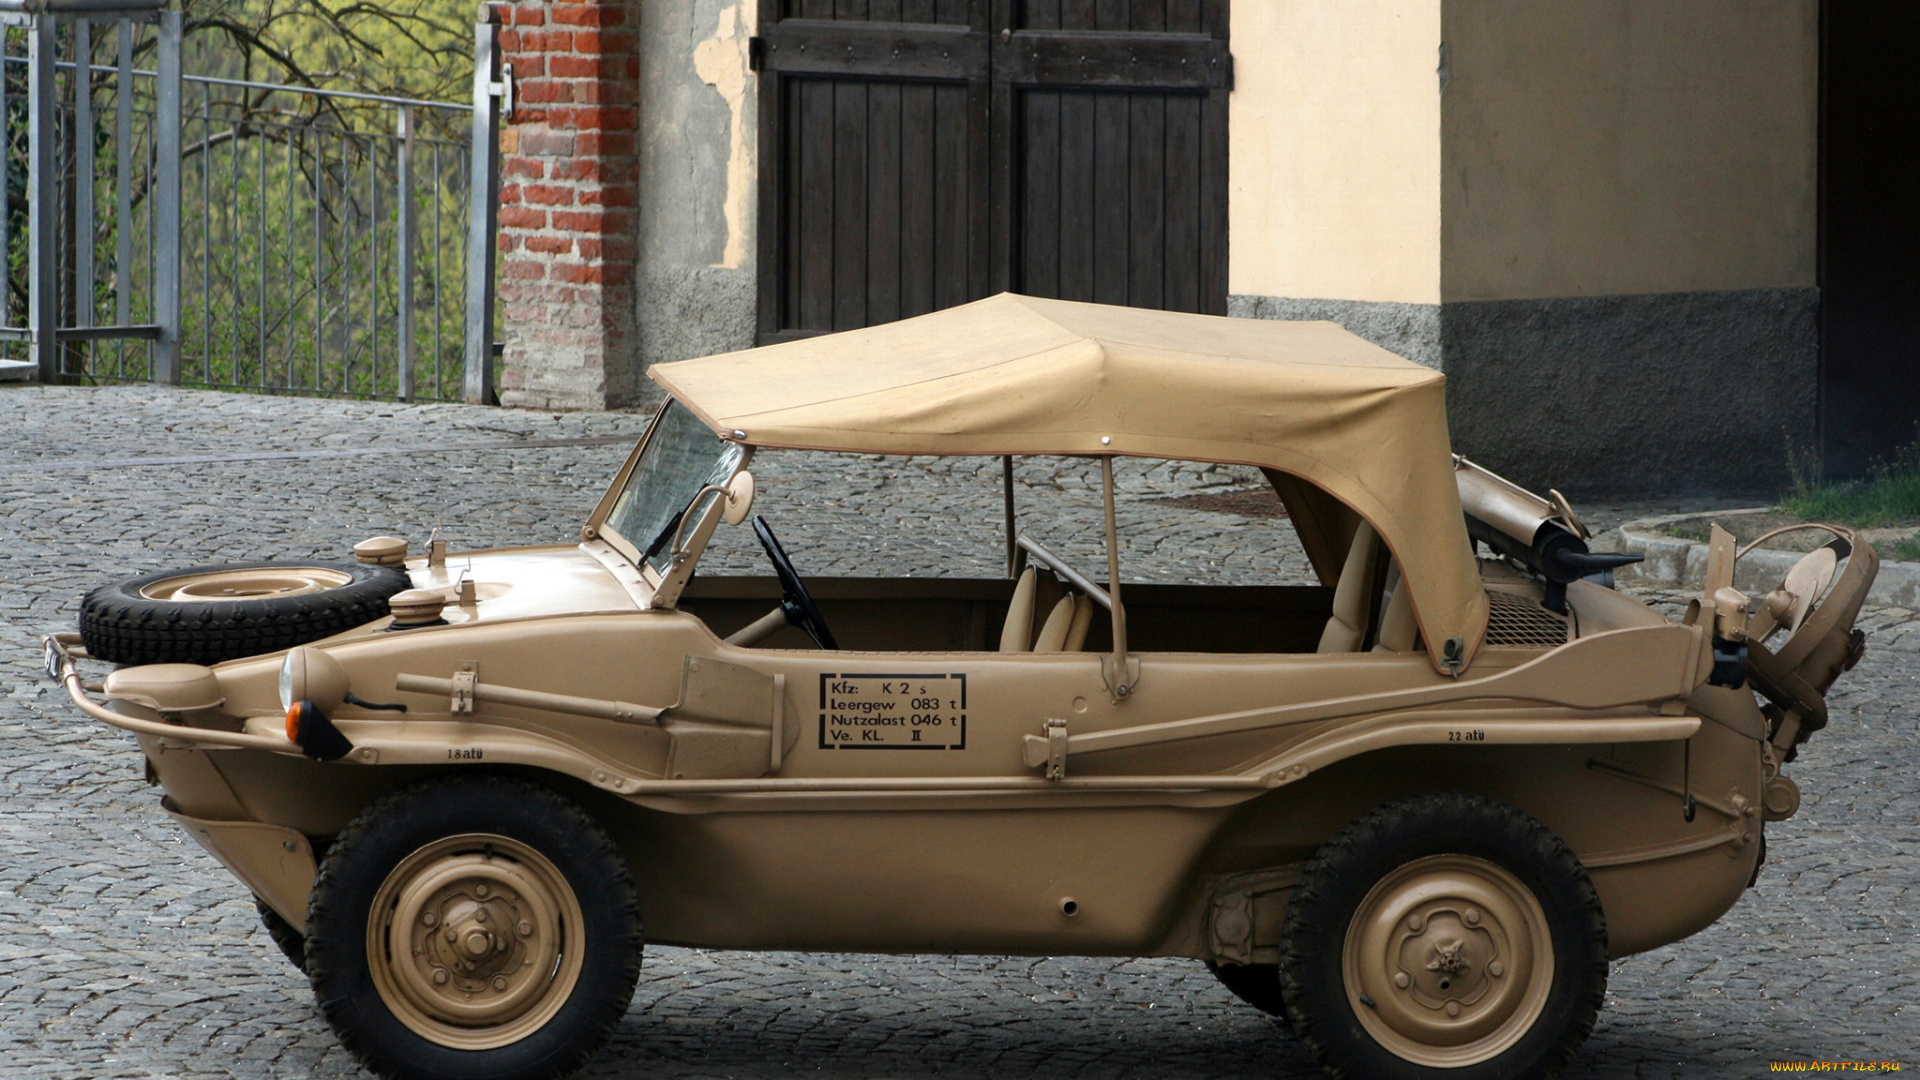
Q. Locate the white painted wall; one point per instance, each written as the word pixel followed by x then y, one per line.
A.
pixel 1334 156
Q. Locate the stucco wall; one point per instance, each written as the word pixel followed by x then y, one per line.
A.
pixel 1604 147
pixel 1334 155
pixel 698 171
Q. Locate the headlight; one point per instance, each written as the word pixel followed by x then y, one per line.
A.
pixel 309 674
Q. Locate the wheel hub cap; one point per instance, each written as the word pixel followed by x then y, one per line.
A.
pixel 259 584
pixel 475 941
pixel 1448 961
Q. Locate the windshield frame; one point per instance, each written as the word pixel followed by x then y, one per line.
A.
pixel 598 526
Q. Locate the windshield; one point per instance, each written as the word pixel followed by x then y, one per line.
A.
pixel 681 457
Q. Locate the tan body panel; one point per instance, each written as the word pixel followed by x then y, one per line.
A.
pixel 776 869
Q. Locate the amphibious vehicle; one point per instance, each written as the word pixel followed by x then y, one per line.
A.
pixel 1414 808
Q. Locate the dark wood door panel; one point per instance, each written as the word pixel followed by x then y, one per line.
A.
pixel 1134 16
pixel 918 154
pixel 880 190
pixel 913 11
pixel 1108 194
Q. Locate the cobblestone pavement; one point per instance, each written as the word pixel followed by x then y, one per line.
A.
pixel 126 951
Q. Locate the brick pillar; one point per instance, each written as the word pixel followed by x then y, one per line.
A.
pixel 567 219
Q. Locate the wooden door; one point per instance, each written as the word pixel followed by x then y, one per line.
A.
pixel 917 154
pixel 873 150
pixel 1111 159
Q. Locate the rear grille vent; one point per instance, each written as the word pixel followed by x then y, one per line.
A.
pixel 1518 620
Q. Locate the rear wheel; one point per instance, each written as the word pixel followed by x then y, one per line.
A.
pixel 475 927
pixel 1445 936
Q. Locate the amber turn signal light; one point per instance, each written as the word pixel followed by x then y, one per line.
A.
pixel 315 734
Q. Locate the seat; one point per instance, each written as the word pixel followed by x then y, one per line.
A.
pixel 1352 595
pixel 1066 627
pixel 1017 634
pixel 1398 631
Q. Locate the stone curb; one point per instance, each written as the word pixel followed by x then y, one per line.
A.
pixel 1674 561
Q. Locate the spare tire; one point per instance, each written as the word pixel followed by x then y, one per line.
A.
pixel 206 614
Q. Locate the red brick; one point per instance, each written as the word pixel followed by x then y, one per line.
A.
pixel 603 41
pixel 519 166
pixel 604 143
pixel 597 170
pixel 552 245
pixel 540 91
pixel 587 67
pixel 528 65
pixel 525 269
pixel 614 248
pixel 548 195
pixel 522 217
pixel 589 221
pixel 604 91
pixel 585 15
pixel 605 118
pixel 546 143
pixel 529 15
pixel 510 41
pixel 607 196
pixel 509 194
pixel 505 242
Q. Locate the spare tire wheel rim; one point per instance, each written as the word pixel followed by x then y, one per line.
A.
pixel 474 942
pixel 1448 961
pixel 263 583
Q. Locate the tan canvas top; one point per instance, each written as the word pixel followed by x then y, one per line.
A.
pixel 1019 375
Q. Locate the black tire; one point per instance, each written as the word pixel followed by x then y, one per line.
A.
pixel 391 834
pixel 122 624
pixel 291 942
pixel 1256 984
pixel 1443 833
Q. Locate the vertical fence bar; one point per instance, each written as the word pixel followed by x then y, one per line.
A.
pixel 292 298
pixel 123 187
pixel 319 279
pixel 6 191
pixel 166 200
pixel 403 256
pixel 260 262
pixel 439 387
pixel 83 192
pixel 483 209
pixel 43 283
pixel 203 162
pixel 373 265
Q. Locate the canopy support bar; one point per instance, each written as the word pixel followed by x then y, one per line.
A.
pixel 1122 673
pixel 1013 550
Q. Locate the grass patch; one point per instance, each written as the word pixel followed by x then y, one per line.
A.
pixel 1888 495
pixel 1907 550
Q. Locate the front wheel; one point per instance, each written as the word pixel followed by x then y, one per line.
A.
pixel 1445 936
pixel 474 927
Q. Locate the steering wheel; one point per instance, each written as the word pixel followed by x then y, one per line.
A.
pixel 799 607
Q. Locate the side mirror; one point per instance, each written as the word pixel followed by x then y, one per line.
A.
pixel 739 498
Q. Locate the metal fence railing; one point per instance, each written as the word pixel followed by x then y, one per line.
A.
pixel 234 234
